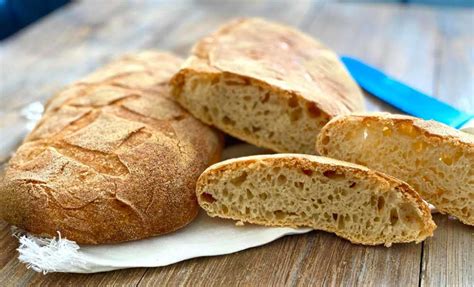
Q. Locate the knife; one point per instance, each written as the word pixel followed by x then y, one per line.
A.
pixel 405 98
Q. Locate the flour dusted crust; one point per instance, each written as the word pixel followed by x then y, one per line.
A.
pixel 113 158
pixel 359 204
pixel 437 160
pixel 267 84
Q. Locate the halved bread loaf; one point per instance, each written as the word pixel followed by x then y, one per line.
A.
pixel 266 84
pixel 352 201
pixel 113 158
pixel 437 160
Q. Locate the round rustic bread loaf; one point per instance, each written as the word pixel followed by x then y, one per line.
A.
pixel 113 159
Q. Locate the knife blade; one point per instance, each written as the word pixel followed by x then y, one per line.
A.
pixel 405 98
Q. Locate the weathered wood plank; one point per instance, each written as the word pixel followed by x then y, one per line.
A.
pixel 336 262
pixel 275 264
pixel 455 76
pixel 448 257
pixel 390 41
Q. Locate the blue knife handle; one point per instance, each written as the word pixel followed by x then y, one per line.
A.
pixel 403 97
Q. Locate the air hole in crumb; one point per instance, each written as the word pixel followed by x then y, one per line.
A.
pixel 386 131
pixel 419 146
pixel 281 179
pixel 380 203
pixel 299 185
pixel 279 214
pixel 225 210
pixel 246 130
pixel 313 111
pixel 293 101
pixel 393 216
pixel 263 196
pixel 307 171
pixel 237 181
pixel 249 194
pixel 340 222
pixel 247 98
pixel 334 216
pixel 351 184
pixel 276 169
pixel 295 115
pixel 206 197
pixel 332 174
pixel 325 140
pixel 247 210
pixel 255 129
pixel 447 160
pixel 265 98
pixel 205 109
pixel 407 129
pixel 227 121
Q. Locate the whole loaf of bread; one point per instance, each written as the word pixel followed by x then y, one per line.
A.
pixel 113 159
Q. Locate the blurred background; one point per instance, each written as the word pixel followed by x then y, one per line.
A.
pixel 17 14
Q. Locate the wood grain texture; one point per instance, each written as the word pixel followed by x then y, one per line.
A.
pixel 448 257
pixel 427 48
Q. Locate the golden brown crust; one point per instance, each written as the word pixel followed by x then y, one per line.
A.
pixel 113 158
pixel 275 58
pixel 433 130
pixel 309 162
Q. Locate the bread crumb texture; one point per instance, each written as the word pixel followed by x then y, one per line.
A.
pixel 436 160
pixel 113 158
pixel 356 203
pixel 267 84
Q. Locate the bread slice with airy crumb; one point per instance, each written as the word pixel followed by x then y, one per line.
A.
pixel 266 84
pixel 437 160
pixel 356 203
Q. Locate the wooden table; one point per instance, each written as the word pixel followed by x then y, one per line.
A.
pixel 431 49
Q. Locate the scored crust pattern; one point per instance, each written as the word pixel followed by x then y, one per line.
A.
pixel 114 158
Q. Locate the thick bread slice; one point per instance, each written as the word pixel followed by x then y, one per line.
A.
pixel 113 159
pixel 356 203
pixel 266 84
pixel 437 160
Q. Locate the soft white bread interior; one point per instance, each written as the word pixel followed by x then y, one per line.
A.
pixel 437 160
pixel 356 203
